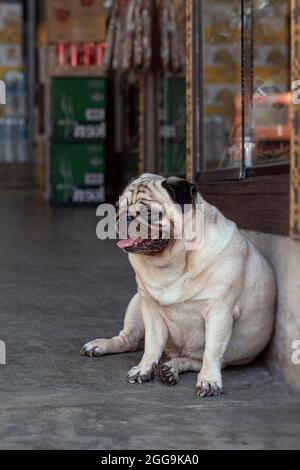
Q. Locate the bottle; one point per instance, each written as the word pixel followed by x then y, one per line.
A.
pixel 20 95
pixel 10 94
pixel 21 140
pixel 2 138
pixel 8 142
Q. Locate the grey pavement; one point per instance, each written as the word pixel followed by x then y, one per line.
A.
pixel 61 287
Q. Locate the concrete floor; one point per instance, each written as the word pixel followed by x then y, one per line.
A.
pixel 61 287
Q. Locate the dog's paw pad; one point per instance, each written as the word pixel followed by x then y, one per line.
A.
pixel 168 375
pixel 206 389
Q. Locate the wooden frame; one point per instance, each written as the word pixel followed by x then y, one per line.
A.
pixel 194 88
pixel 189 91
pixel 261 202
pixel 295 139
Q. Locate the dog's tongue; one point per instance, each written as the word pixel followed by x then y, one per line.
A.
pixel 126 243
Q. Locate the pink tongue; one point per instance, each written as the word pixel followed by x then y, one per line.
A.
pixel 126 243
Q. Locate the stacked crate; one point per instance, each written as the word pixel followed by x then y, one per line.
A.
pixel 76 102
pixel 78 140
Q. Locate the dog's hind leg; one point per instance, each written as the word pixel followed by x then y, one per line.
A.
pixel 129 339
pixel 169 371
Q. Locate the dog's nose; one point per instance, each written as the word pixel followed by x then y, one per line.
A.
pixel 130 219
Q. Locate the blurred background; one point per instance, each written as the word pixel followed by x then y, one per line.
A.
pixel 96 92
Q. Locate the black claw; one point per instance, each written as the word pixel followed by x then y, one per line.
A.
pixel 167 376
pixel 138 378
pixel 212 391
pixel 83 351
pixel 130 380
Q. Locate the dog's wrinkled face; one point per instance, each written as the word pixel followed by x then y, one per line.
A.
pixel 143 212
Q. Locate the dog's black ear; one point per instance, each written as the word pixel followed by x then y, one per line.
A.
pixel 181 191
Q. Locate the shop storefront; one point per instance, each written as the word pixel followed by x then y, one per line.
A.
pixel 241 82
pixel 243 134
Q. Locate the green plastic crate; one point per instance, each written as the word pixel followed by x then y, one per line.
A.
pixel 77 173
pixel 78 108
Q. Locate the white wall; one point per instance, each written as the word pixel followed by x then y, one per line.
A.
pixel 284 255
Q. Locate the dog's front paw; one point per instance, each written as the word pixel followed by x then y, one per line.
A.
pixel 209 386
pixel 98 347
pixel 168 374
pixel 140 374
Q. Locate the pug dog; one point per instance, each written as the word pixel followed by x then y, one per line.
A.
pixel 196 309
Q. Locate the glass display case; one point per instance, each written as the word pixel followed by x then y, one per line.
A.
pixel 240 108
pixel 246 100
